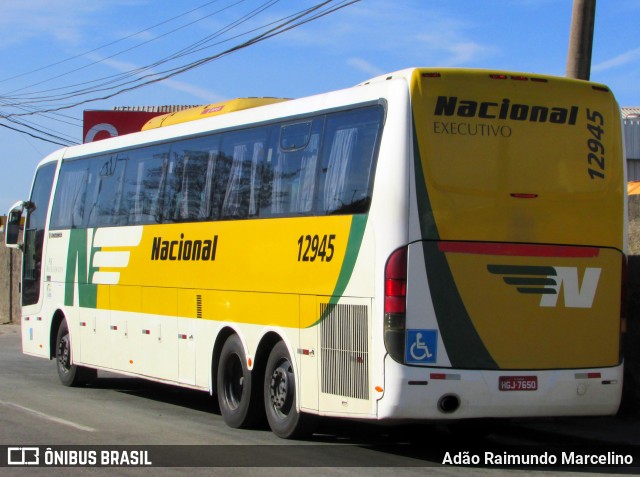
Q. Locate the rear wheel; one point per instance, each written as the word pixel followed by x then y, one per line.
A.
pixel 235 386
pixel 70 374
pixel 280 397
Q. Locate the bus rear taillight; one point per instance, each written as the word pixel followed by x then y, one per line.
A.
pixel 395 303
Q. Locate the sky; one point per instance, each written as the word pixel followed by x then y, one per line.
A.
pixel 50 48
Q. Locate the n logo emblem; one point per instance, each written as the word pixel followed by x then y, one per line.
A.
pixel 549 282
pixel 86 256
pixel 575 295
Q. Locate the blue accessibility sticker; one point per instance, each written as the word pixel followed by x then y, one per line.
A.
pixel 421 346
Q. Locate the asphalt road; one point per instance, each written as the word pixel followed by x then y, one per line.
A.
pixel 36 410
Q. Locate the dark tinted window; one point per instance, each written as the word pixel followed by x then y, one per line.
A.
pixel 292 171
pixel 34 234
pixel 106 208
pixel 321 165
pixel 351 141
pixel 76 177
pixel 144 176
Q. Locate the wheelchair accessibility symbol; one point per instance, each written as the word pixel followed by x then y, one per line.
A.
pixel 421 346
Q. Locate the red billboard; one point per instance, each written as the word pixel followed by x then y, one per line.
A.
pixel 105 124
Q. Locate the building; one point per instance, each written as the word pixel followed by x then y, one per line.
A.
pixel 631 131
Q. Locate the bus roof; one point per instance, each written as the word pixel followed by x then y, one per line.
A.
pixel 208 110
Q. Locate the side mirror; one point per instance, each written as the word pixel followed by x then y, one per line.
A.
pixel 12 227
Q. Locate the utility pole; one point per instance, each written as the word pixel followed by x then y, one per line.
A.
pixel 581 39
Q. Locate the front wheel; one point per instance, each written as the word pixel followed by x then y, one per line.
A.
pixel 280 397
pixel 69 374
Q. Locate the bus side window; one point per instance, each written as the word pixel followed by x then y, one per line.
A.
pixel 236 200
pixel 193 185
pixel 348 161
pixel 208 191
pixel 187 188
pixel 219 184
pixel 105 210
pixel 302 200
pixel 142 182
pixel 75 179
pixel 245 151
pixel 293 169
pixel 34 233
pixel 337 170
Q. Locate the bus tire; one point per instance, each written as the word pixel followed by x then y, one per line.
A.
pixel 280 397
pixel 234 386
pixel 70 374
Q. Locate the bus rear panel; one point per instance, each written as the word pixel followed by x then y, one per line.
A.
pixel 509 303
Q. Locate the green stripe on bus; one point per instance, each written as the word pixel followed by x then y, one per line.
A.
pixel 78 261
pixel 428 226
pixel 521 270
pixel 461 339
pixel 356 233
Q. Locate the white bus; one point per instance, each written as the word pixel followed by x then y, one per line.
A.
pixel 433 244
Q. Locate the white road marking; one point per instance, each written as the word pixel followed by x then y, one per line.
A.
pixel 42 415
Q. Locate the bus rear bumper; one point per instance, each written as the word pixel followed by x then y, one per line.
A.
pixel 419 393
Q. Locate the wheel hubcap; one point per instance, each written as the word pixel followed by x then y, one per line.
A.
pixel 63 353
pixel 281 389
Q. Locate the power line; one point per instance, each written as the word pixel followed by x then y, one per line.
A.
pixel 44 131
pixel 111 87
pixel 35 136
pixel 88 52
pixel 56 117
pixel 47 134
pixel 145 80
pixel 50 135
pixel 110 80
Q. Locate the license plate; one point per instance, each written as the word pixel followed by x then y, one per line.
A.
pixel 518 383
